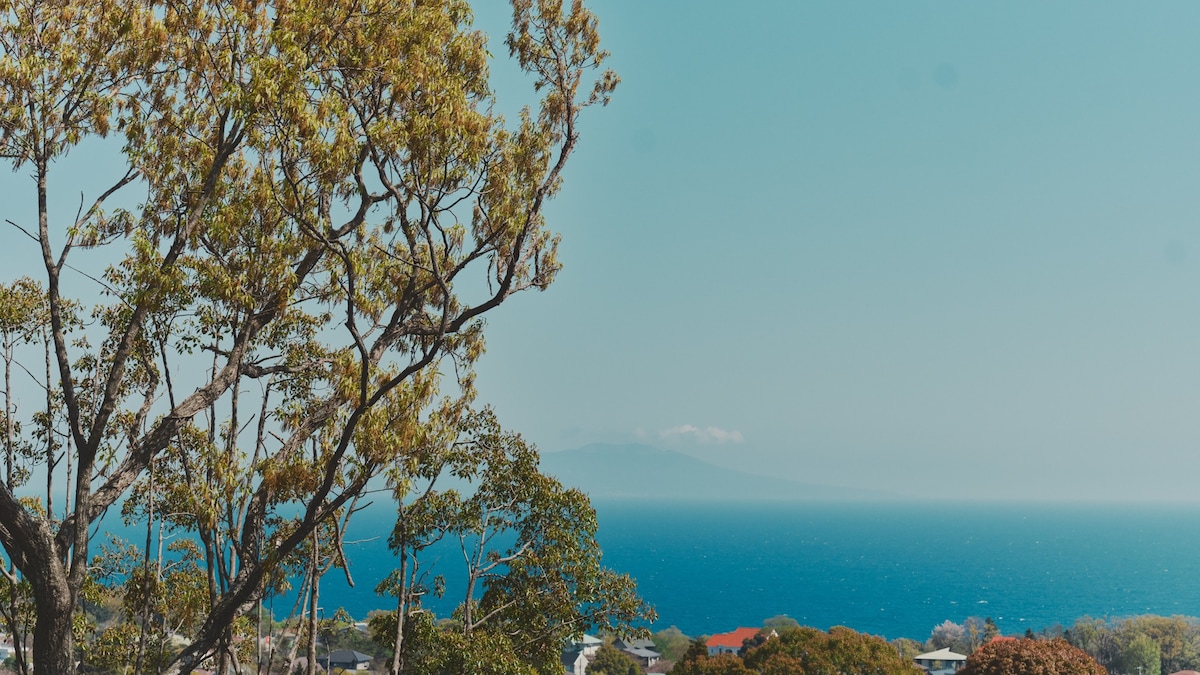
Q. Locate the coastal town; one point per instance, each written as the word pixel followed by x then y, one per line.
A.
pixel 1143 645
pixel 1140 645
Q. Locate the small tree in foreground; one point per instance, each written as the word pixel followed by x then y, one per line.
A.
pixel 671 643
pixel 530 562
pixel 612 661
pixel 1031 657
pixel 696 661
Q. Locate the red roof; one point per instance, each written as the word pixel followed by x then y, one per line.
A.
pixel 734 639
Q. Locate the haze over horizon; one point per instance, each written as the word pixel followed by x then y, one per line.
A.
pixel 874 245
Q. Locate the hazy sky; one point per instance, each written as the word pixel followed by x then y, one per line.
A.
pixel 944 249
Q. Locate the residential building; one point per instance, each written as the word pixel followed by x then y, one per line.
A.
pixel 941 662
pixel 642 650
pixel 730 643
pixel 347 659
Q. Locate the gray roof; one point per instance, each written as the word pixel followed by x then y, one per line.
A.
pixel 348 656
pixel 634 643
pixel 570 657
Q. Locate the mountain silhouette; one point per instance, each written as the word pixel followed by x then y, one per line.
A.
pixel 634 471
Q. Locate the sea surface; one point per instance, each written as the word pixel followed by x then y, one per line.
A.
pixel 888 569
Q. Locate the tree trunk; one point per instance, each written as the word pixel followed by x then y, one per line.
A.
pixel 311 651
pixel 10 440
pixel 149 584
pixel 50 463
pixel 294 647
pixel 53 648
pixel 401 610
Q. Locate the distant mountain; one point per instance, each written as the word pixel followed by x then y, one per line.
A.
pixel 643 472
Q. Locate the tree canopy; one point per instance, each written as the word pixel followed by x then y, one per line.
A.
pixel 533 572
pixel 612 661
pixel 802 650
pixel 807 650
pixel 696 661
pixel 1031 657
pixel 1154 643
pixel 278 297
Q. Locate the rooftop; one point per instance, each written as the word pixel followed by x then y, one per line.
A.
pixel 733 639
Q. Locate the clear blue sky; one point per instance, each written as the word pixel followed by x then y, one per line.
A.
pixel 946 249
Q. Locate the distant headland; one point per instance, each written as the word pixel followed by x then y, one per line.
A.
pixel 642 472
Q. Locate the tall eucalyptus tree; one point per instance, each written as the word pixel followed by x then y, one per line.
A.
pixel 315 207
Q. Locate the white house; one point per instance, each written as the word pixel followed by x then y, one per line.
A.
pixel 941 662
pixel 575 659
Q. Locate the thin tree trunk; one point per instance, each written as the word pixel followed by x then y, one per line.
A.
pixel 44 565
pixel 312 605
pixel 401 610
pixel 9 464
pixel 49 438
pixel 9 426
pixel 146 580
pixel 294 647
pixel 158 569
pixel 70 465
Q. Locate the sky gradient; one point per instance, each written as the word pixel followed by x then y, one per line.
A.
pixel 944 250
pixel 940 249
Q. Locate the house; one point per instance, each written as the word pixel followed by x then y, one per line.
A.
pixel 588 644
pixel 941 662
pixel 574 662
pixel 730 643
pixel 642 650
pixel 347 659
pixel 578 655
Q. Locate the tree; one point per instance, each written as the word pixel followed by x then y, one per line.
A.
pixel 1030 657
pixel 1087 633
pixel 974 630
pixel 908 648
pixel 533 568
pixel 1140 655
pixel 671 643
pixel 315 208
pixel 990 630
pixel 841 650
pixel 1176 637
pixel 949 635
pixel 696 661
pixel 21 323
pixel 780 622
pixel 1125 644
pixel 612 661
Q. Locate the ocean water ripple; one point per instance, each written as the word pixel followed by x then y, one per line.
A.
pixel 889 569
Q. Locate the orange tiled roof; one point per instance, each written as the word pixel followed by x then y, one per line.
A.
pixel 734 639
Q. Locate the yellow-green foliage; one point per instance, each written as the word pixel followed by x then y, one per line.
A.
pixel 315 207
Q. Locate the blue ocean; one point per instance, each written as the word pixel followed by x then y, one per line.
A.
pixel 888 569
